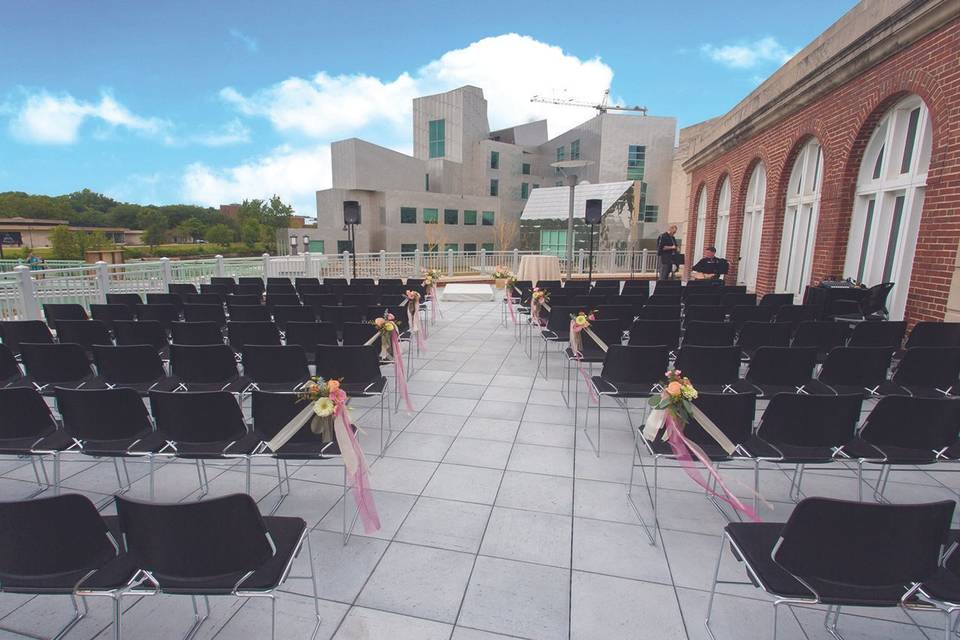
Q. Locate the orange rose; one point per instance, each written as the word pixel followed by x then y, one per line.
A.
pixel 674 389
pixel 333 385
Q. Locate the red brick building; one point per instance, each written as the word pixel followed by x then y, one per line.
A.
pixel 845 162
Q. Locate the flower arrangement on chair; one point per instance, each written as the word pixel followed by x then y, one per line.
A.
pixel 387 330
pixel 412 303
pixel 431 280
pixel 578 323
pixel 538 297
pixel 670 413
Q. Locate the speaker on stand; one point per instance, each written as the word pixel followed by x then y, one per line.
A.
pixel 592 215
pixel 351 218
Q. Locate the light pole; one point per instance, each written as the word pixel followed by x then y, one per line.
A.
pixel 293 245
pixel 571 180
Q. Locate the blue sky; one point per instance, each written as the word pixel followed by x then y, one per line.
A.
pixel 214 101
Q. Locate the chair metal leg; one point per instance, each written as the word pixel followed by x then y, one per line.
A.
pixel 633 465
pixel 202 476
pixel 153 482
pixel 713 589
pixel 56 473
pixel 273 617
pixel 316 591
pixel 117 617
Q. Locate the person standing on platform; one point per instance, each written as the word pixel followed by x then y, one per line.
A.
pixel 667 250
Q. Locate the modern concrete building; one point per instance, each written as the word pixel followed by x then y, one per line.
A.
pixel 465 186
pixel 843 163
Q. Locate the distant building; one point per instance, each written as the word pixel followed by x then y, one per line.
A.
pixel 231 211
pixel 465 186
pixel 35 232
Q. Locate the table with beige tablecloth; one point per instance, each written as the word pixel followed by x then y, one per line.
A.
pixel 536 268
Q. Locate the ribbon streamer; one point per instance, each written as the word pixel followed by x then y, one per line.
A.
pixel 509 296
pixel 575 349
pixel 413 321
pixel 399 372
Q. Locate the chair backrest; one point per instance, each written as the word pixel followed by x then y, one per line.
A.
pixel 741 314
pixel 56 312
pixel 823 334
pixel 272 411
pixel 309 334
pixel 197 416
pixel 182 289
pixel 204 298
pixel 205 313
pixel 715 334
pixel 357 333
pixel 811 420
pixel 934 334
pixel 171 299
pixel 83 332
pixel 279 280
pixel 782 365
pixel 764 334
pixel 128 364
pixel 241 334
pixel 776 300
pixel 339 315
pixel 251 281
pixel 103 414
pixel 654 311
pixel 196 333
pixel 862 544
pixel 272 364
pixel 250 290
pixel 875 301
pixel 709 365
pixel 934 367
pixel 796 313
pixel 283 314
pixel 235 299
pixel 108 313
pixel 702 312
pixel 856 366
pixel 50 363
pixel 929 424
pixel 559 319
pixel 636 288
pixel 24 414
pixel 211 363
pixel 14 332
pixel 732 299
pixel 665 299
pixel 339 281
pixel 655 332
pixel 282 299
pixel 195 540
pixel 52 536
pixel 307 282
pixel 635 364
pixel 352 364
pixel 732 412
pixel 713 298
pixel 221 291
pixel 362 300
pixel 888 333
pixel 9 368
pixel 165 314
pixel 149 332
pixel 249 313
pixel 131 300
pixel 609 331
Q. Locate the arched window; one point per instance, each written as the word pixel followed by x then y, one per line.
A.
pixel 723 218
pixel 701 226
pixel 889 198
pixel 800 220
pixel 752 227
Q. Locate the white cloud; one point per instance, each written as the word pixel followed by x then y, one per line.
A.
pixel 293 174
pixel 248 42
pixel 233 132
pixel 749 55
pixel 47 119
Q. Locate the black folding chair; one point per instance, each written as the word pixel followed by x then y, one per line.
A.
pixel 86 333
pixel 63 365
pixel 318 300
pixel 249 313
pixel 840 553
pixel 205 313
pixel 14 332
pixel 182 289
pixel 165 299
pixel 934 334
pixel 200 426
pixel 129 300
pixel 358 333
pixel 136 367
pixel 61 546
pixel 108 423
pixel 776 300
pixel 56 312
pixel 741 314
pixel 776 370
pixel 824 335
pixel 715 369
pixel 241 334
pixel 590 353
pixel 697 299
pixel 165 314
pixel 732 413
pixel 196 333
pixel 219 290
pixel 28 429
pixel 856 370
pixel 636 288
pixel 925 372
pixel 308 335
pixel 888 333
pixel 284 314
pixel 795 313
pixel 141 332
pixel 754 335
pixel 275 368
pixel 251 281
pixel 223 281
pixel 703 313
pixel 218 547
pixel 709 334
pixel 10 372
pixel 235 299
pixel 339 315
pixel 206 368
pixel 655 332
pixel 799 430
pixel 655 311
pixel 203 299
pixel 628 372
pixel 282 299
pixel 109 313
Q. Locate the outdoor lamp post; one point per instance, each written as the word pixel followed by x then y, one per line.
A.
pixel 571 180
pixel 306 243
pixel 293 245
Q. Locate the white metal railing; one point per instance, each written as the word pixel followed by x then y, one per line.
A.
pixel 23 292
pixel 7 265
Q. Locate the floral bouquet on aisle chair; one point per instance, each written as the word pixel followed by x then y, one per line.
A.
pixel 431 280
pixel 412 304
pixel 538 298
pixel 389 335
pixel 670 413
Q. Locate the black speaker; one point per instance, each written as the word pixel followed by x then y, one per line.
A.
pixel 594 211
pixel 351 212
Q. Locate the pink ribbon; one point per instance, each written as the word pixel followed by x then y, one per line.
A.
pixel 682 448
pixel 399 372
pixel 359 477
pixel 412 310
pixel 575 330
pixel 513 315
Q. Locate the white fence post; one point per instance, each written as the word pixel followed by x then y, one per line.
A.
pixel 103 281
pixel 643 261
pixel 483 260
pixel 166 272
pixel 580 261
pixel 28 294
pixel 383 264
pixel 417 262
pixel 449 262
pixel 346 264
pixel 266 266
pixel 219 270
pixel 516 260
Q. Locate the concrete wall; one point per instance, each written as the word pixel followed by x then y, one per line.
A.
pixel 358 164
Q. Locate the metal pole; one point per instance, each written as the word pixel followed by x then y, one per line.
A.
pixel 573 185
pixel 590 267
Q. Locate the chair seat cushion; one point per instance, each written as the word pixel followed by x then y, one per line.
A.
pixel 622 389
pixel 375 387
pixel 242 446
pixel 53 441
pixel 144 388
pixel 236 385
pixel 792 453
pixel 148 442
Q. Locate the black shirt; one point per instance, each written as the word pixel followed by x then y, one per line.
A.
pixel 714 266
pixel 666 240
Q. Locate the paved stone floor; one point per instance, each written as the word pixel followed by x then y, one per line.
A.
pixel 499 521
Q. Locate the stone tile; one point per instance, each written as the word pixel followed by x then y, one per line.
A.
pixel 418 581
pixel 499 410
pixel 420 446
pixel 550 435
pixel 460 390
pixel 608 607
pixel 537 459
pixel 479 453
pixel 447 524
pixel 436 423
pixel 618 550
pixel 469 484
pixel 490 429
pixel 401 474
pixel 528 536
pixel 392 508
pixel 535 492
pixel 451 406
pixel 370 624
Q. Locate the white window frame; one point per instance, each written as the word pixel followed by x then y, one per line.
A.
pixel 887 208
pixel 701 226
pixel 800 219
pixel 723 218
pixel 752 229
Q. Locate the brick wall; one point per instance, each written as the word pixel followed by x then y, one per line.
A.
pixel 843 121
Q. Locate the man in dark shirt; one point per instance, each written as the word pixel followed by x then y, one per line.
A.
pixel 667 249
pixel 710 267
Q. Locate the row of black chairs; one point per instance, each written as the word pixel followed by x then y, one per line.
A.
pixel 220 547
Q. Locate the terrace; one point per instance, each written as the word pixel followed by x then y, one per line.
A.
pixel 499 519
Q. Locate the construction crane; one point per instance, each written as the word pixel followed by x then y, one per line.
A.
pixel 603 107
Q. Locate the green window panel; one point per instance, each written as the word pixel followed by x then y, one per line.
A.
pixel 575 150
pixel 525 169
pixel 430 248
pixel 524 190
pixel 408 215
pixel 431 216
pixel 651 212
pixel 451 246
pixel 437 138
pixel 487 246
pixel 470 247
pixel 494 159
pixel 450 216
pixel 488 218
pixel 316 246
pixel 343 245
pixel 553 242
pixel 469 217
pixel 636 159
pixel 494 187
pixel 408 248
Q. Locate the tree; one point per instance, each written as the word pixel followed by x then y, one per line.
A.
pixel 190 230
pixel 220 234
pixel 277 214
pixel 505 233
pixel 64 244
pixel 155 234
pixel 250 232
